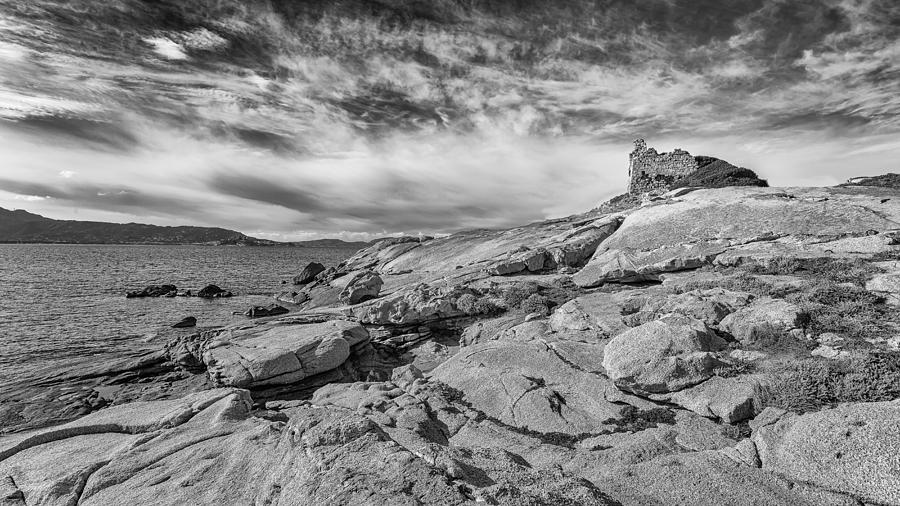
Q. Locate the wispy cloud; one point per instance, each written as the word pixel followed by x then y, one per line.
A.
pixel 312 117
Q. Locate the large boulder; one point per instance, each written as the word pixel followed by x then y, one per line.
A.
pixel 527 260
pixel 686 231
pixel 763 316
pixel 709 306
pixel 533 385
pixel 851 449
pixel 270 310
pixel 665 355
pixel 730 400
pixel 709 478
pixel 575 247
pixel 887 284
pixel 271 354
pixel 309 273
pixel 596 313
pixel 292 297
pixel 419 304
pixel 630 265
pixel 361 286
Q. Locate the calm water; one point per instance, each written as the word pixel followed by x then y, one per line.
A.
pixel 64 304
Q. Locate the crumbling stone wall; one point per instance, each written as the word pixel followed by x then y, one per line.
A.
pixel 650 171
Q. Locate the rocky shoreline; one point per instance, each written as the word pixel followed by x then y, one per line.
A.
pixel 733 345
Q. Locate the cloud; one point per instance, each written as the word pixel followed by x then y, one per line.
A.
pixel 101 197
pixel 275 191
pixel 167 48
pixel 316 118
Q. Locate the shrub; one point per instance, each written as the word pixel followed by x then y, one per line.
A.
pixel 513 296
pixel 889 180
pixel 856 271
pixel 740 282
pixel 466 303
pixel 536 303
pixel 845 309
pixel 632 419
pixel 774 266
pixel 838 270
pixel 561 290
pixel 772 339
pixel 733 369
pixel 633 305
pixel 715 173
pixel 872 378
pixel 487 306
pixel 810 384
pixel 619 203
pixel 737 432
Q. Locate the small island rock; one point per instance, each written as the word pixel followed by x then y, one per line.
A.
pixel 187 322
pixel 213 292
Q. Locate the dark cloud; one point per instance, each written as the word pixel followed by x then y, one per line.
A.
pixel 106 198
pixel 393 203
pixel 81 132
pixel 783 29
pixel 267 191
pixel 286 94
pixel 403 65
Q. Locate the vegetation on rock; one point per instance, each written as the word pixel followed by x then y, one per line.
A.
pixel 814 383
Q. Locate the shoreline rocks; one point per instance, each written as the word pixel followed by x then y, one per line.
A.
pixel 389 383
pixel 360 287
pixel 213 292
pixel 309 273
pixel 187 322
pixel 262 311
pixel 274 353
pixel 153 291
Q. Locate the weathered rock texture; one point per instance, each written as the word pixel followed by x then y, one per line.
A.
pixel 520 366
pixel 275 353
pixel 664 355
pixel 208 449
pixel 852 448
pixel 734 226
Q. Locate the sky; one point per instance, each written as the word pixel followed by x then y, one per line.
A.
pixel 303 119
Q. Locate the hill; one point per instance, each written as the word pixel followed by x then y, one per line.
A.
pixel 20 226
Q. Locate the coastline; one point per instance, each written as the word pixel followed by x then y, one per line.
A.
pixel 404 343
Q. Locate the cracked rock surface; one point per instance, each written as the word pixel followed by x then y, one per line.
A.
pixel 631 357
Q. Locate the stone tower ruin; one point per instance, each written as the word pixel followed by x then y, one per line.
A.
pixel 651 171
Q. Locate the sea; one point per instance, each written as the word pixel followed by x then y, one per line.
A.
pixel 64 305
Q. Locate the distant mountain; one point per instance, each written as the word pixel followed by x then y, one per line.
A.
pixel 22 226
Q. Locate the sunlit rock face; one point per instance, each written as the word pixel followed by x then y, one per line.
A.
pixel 362 118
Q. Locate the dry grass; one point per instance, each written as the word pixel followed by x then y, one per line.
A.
pixel 838 270
pixel 811 384
pixel 854 312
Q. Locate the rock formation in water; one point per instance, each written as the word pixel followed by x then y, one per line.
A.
pixel 734 345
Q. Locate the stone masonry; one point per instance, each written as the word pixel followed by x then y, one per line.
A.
pixel 650 171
